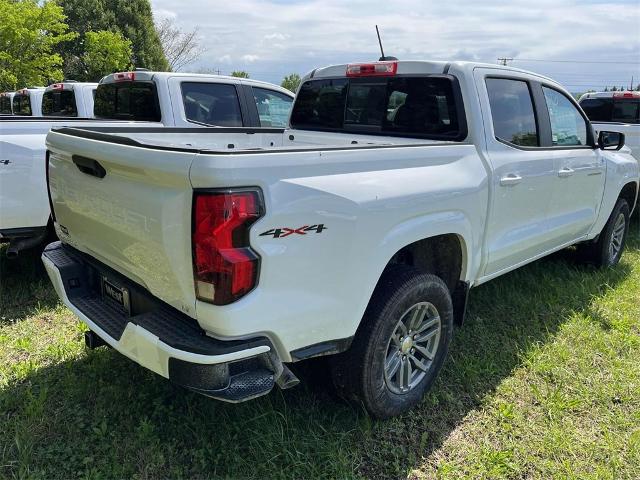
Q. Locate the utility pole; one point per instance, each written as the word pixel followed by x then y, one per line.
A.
pixel 504 60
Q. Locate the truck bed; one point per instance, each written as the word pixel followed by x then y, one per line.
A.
pixel 237 140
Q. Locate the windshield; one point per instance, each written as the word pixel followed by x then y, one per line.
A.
pixel 127 101
pixel 403 106
pixel 59 103
pixel 22 104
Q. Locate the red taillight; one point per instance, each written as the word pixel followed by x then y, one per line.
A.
pixel 124 76
pixel 627 95
pixel 224 266
pixel 376 69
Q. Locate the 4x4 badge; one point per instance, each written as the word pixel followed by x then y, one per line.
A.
pixel 285 231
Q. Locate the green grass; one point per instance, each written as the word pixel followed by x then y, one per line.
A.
pixel 543 381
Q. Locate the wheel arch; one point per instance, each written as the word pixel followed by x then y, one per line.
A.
pixel 444 255
pixel 440 244
pixel 630 193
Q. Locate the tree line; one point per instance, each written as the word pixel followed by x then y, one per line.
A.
pixel 42 42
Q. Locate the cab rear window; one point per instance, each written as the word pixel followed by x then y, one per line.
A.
pixel 5 105
pixel 59 104
pixel 127 101
pixel 22 104
pixel 610 109
pixel 426 107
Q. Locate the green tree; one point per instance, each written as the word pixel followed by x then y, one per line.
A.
pixel 240 74
pixel 291 82
pixel 105 52
pixel 132 18
pixel 29 33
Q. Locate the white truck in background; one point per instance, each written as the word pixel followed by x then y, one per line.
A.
pixel 217 257
pixel 616 112
pixel 69 99
pixel 6 103
pixel 159 99
pixel 28 102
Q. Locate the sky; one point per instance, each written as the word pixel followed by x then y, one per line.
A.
pixel 584 44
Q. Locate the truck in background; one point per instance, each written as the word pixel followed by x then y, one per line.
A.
pixel 28 102
pixel 191 100
pixel 69 99
pixel 617 112
pixel 158 99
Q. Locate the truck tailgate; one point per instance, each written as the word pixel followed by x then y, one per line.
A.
pixel 128 207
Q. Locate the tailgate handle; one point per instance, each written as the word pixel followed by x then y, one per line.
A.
pixel 89 166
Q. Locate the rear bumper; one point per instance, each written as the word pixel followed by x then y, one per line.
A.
pixel 160 338
pixel 20 233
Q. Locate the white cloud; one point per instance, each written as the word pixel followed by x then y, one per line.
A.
pixel 277 36
pixel 321 32
pixel 163 13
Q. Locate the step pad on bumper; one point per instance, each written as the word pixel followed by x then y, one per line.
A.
pixel 81 276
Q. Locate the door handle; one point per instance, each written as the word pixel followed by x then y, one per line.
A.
pixel 89 166
pixel 510 179
pixel 566 172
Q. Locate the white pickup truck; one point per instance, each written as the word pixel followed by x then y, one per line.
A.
pixel 28 102
pixel 69 99
pixel 616 112
pixel 165 99
pixel 215 259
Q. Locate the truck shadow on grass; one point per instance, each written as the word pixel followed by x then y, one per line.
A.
pixel 24 285
pixel 101 415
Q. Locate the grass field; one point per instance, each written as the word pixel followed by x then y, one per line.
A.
pixel 543 381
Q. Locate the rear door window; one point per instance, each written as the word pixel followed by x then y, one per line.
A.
pixel 405 106
pixel 127 101
pixel 59 103
pixel 512 113
pixel 273 107
pixel 212 104
pixel 22 104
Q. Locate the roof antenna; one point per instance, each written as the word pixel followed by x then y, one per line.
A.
pixel 382 58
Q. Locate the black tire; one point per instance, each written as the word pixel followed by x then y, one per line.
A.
pixel 601 252
pixel 359 373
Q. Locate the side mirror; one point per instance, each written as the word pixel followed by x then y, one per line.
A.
pixel 610 140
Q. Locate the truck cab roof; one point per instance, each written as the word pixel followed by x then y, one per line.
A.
pixel 69 85
pixel 618 95
pixel 416 67
pixel 148 75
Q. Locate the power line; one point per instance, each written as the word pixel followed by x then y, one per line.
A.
pixel 572 61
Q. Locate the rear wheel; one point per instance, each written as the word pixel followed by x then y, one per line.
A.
pixel 607 250
pixel 401 344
